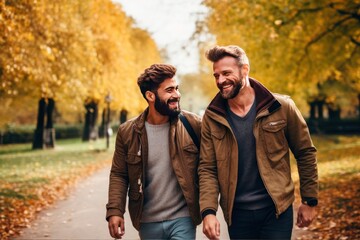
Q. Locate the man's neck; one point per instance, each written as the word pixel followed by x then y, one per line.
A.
pixel 155 118
pixel 241 104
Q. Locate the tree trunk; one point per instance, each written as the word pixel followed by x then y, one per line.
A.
pixel 334 114
pixel 312 110
pixel 102 125
pixel 90 132
pixel 86 132
pixel 38 142
pixel 49 113
pixel 108 134
pixel 359 106
pixel 49 129
pixel 320 105
pixel 123 116
pixel 94 116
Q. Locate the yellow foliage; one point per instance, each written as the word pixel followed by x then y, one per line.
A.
pixel 71 50
pixel 288 51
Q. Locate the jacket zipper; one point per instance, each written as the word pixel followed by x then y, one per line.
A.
pixel 141 180
pixel 276 123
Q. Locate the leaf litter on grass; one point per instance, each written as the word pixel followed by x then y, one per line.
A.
pixel 32 181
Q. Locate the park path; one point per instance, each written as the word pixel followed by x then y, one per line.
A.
pixel 82 215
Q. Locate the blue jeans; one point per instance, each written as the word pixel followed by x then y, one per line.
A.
pixel 177 229
pixel 261 224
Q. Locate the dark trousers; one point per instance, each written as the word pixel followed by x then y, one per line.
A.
pixel 261 224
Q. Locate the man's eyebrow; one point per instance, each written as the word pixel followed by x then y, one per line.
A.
pixel 171 87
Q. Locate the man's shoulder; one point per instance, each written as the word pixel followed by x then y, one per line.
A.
pixel 129 124
pixel 191 116
pixel 283 98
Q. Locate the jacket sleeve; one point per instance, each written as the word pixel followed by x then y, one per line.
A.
pixel 208 179
pixel 118 182
pixel 304 152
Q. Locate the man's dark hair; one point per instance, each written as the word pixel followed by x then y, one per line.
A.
pixel 153 76
pixel 219 52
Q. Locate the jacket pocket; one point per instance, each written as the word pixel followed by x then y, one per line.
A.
pixel 274 139
pixel 135 206
pixel 134 165
pixel 220 144
pixel 191 157
pixel 133 158
pixel 191 153
pixel 134 195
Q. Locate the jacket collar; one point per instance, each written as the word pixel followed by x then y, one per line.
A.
pixel 139 122
pixel 264 99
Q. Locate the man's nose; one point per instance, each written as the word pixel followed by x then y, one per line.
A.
pixel 221 79
pixel 177 94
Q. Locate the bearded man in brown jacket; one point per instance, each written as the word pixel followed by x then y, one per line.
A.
pixel 155 164
pixel 247 132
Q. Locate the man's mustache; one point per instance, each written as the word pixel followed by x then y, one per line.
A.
pixel 173 100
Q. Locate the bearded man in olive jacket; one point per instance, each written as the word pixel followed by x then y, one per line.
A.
pixel 247 132
pixel 155 163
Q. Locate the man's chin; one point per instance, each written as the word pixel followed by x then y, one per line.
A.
pixel 174 113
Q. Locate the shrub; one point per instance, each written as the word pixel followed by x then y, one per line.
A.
pixel 25 134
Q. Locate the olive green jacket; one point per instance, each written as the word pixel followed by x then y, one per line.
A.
pixel 129 165
pixel 278 127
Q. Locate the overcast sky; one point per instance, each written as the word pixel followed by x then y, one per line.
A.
pixel 171 23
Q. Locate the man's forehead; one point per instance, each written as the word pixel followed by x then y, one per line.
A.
pixel 170 82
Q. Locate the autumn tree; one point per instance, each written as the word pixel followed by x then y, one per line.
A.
pixel 36 52
pixel 123 50
pixel 293 46
pixel 71 52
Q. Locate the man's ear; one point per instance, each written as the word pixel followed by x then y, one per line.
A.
pixel 150 96
pixel 245 68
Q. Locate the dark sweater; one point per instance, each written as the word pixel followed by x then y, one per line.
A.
pixel 251 193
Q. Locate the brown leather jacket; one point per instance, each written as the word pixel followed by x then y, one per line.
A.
pixel 129 164
pixel 278 126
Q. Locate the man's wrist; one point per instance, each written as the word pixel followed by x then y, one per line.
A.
pixel 311 202
pixel 207 212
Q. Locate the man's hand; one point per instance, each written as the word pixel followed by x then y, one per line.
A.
pixel 116 222
pixel 305 216
pixel 211 227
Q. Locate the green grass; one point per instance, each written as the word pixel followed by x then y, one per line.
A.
pixel 338 157
pixel 23 169
pixel 33 179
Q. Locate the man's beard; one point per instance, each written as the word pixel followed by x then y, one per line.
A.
pixel 163 108
pixel 234 92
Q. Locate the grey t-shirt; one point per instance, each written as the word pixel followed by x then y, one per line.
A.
pixel 163 198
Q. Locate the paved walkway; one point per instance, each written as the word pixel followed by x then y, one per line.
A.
pixel 82 215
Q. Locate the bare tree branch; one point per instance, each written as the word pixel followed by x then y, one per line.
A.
pixel 354 11
pixel 353 40
pixel 329 30
pixel 348 60
pixel 320 36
